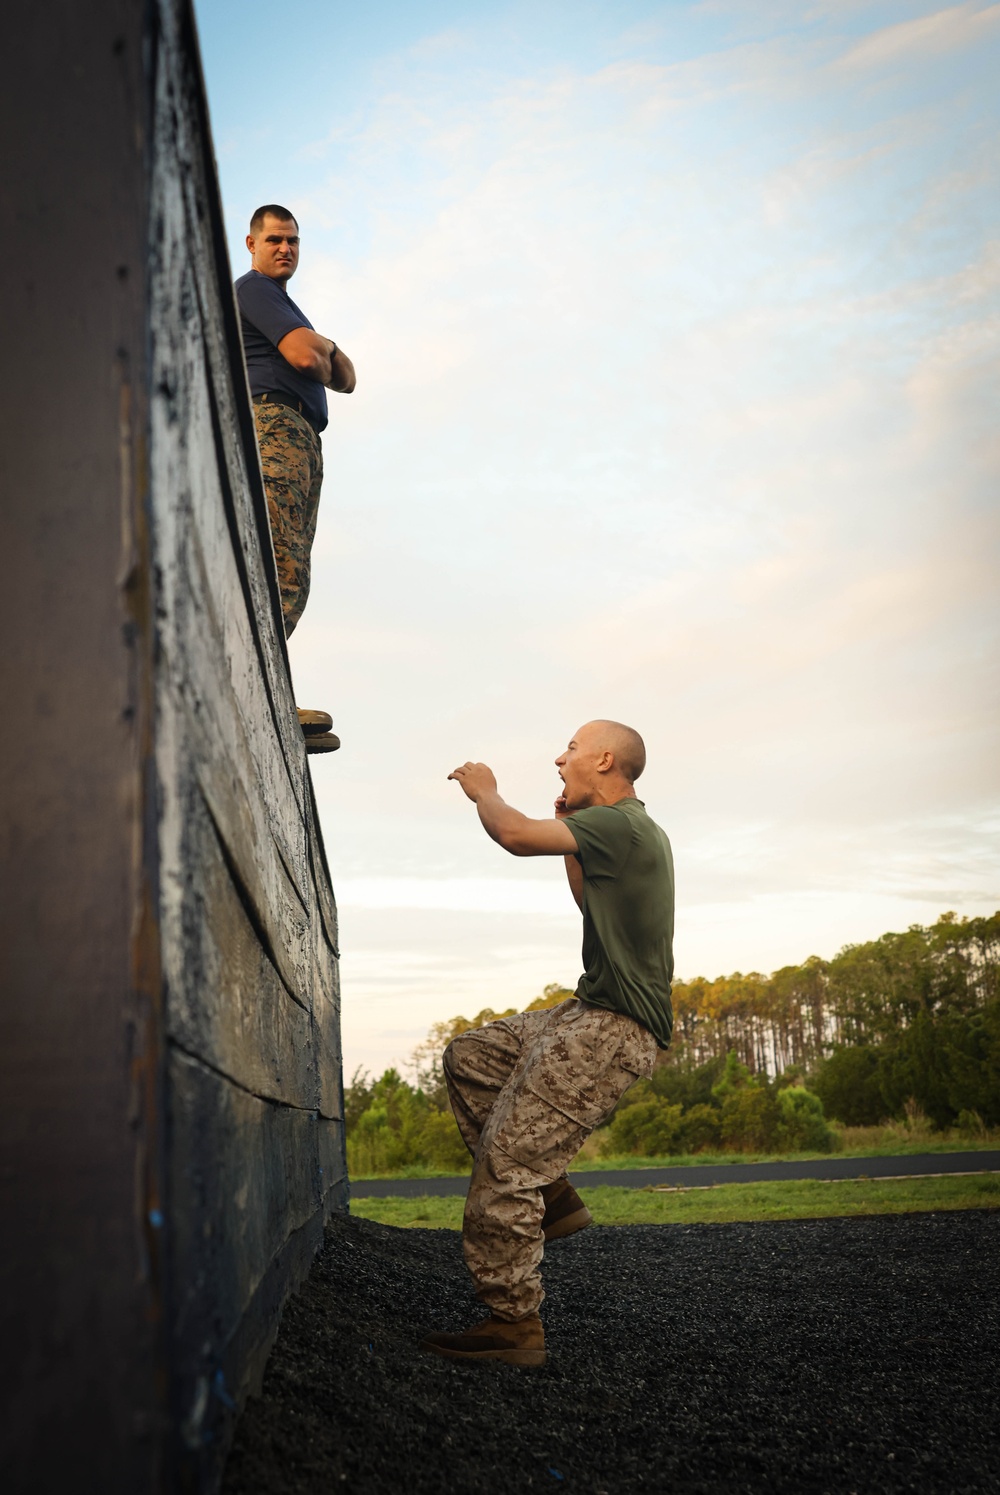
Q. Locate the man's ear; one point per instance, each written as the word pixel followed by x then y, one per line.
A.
pixel 250 242
pixel 606 761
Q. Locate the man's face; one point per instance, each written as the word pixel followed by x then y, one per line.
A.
pixel 577 766
pixel 275 250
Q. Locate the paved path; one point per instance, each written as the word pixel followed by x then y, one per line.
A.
pixel 715 1173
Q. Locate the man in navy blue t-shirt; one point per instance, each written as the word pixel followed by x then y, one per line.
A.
pixel 290 367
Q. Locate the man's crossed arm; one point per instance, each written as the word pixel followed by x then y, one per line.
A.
pixel 319 358
pixel 515 832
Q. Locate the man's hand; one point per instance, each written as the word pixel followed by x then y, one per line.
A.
pixel 508 827
pixel 342 378
pixel 561 810
pixel 476 779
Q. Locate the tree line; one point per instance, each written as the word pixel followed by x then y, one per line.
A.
pixel 911 1017
pixel 908 1023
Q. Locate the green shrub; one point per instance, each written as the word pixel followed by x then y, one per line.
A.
pixel 802 1126
pixel 750 1119
pixel 849 1087
pixel 392 1126
pixel 441 1142
pixel 972 1046
pixel 735 1076
pixel 971 1124
pixel 651 1128
pixel 913 1066
pixel 686 1087
pixel 700 1128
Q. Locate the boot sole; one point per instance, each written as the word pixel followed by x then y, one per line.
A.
pixel 321 742
pixel 506 1357
pixel 569 1225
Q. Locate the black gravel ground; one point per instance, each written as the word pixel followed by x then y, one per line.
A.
pixel 823 1355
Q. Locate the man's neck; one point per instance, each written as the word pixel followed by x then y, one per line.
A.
pixel 612 794
pixel 281 284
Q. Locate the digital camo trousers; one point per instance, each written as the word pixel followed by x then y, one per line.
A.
pixel 526 1092
pixel 291 459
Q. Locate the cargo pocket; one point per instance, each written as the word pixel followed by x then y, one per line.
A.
pixel 546 1124
pixel 637 1054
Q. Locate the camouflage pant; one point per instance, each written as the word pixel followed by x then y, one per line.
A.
pixel 526 1092
pixel 292 462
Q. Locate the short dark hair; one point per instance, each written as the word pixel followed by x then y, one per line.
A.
pixel 276 211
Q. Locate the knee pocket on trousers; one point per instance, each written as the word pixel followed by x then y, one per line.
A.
pixel 539 1125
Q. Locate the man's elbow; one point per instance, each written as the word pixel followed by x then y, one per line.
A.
pixel 304 361
pixel 517 843
pixel 507 837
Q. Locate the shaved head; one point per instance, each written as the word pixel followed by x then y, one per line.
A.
pixel 624 742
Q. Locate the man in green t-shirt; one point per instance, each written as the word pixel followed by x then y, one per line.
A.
pixel 528 1090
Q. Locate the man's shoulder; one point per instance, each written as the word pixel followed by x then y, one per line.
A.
pixel 638 817
pixel 255 286
pixel 593 813
pixel 630 809
pixel 605 822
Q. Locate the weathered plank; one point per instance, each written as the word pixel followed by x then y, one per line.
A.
pixel 228 1003
pixel 78 1051
pixel 190 743
pixel 234 1208
pixel 171 1098
pixel 254 1086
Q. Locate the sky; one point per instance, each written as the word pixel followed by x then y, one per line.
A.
pixel 677 333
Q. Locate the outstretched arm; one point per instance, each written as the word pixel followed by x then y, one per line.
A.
pixel 510 829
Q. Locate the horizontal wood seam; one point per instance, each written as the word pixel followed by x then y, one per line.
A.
pixel 267 1100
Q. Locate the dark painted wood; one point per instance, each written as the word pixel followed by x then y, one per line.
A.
pixel 84 1347
pixel 171 1094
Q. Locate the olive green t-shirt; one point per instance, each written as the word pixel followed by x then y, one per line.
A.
pixel 628 913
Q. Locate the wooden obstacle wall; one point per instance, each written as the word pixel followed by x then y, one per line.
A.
pixel 172 1093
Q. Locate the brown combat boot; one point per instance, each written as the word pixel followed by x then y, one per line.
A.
pixel 316 730
pixel 565 1211
pixel 520 1343
pixel 312 722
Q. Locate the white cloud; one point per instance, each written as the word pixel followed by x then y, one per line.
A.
pixel 957 27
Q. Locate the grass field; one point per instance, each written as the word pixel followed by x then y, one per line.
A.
pixel 793 1199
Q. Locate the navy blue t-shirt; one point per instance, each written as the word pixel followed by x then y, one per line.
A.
pixel 267 314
